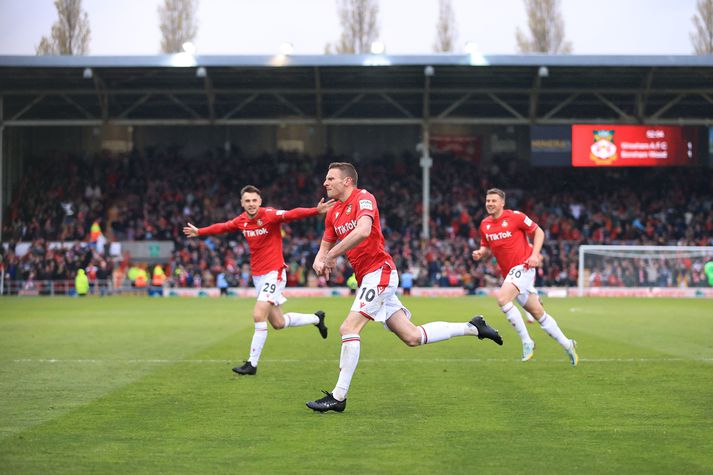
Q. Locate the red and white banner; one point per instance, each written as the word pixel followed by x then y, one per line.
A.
pixel 607 145
pixel 438 292
pixel 551 292
pixel 251 293
pixel 677 292
pixel 461 146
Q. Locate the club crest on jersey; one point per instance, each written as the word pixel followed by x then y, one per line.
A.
pixel 505 223
pixel 348 210
pixel 259 222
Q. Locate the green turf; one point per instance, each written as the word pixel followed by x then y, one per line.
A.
pixel 135 385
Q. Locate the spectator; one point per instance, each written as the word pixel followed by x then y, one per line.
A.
pixel 407 282
pixel 81 283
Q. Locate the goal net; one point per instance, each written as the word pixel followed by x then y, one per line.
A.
pixel 663 267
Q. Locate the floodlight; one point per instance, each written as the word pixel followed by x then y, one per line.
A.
pixel 87 73
pixel 189 47
pixel 201 72
pixel 377 47
pixel 543 72
pixel 287 48
pixel 471 47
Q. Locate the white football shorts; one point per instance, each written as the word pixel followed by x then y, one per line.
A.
pixel 524 280
pixel 269 287
pixel 376 297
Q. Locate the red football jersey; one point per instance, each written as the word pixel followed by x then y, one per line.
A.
pixel 506 236
pixel 263 233
pixel 342 219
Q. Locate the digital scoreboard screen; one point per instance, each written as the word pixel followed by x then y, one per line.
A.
pixel 607 145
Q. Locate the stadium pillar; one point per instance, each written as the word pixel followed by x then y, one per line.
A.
pixel 426 163
pixel 426 160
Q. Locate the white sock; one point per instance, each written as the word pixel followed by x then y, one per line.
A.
pixel 293 319
pixel 439 331
pixel 348 360
pixel 258 342
pixel 549 325
pixel 515 318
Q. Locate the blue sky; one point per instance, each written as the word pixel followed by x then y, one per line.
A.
pixel 130 27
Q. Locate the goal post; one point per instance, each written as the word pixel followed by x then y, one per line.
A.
pixel 642 266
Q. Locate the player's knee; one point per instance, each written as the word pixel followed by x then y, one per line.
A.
pixel 346 329
pixel 278 325
pixel 502 299
pixel 412 340
pixel 537 313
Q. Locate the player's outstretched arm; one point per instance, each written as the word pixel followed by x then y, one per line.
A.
pixel 302 213
pixel 323 206
pixel 217 228
pixel 190 231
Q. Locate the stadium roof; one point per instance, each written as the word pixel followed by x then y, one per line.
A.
pixel 182 89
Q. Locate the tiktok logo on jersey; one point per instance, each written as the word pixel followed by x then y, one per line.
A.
pixel 255 232
pixel 498 236
pixel 346 227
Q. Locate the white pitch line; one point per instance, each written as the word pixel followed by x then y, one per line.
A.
pixel 363 360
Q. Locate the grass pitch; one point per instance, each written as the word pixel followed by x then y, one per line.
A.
pixel 138 385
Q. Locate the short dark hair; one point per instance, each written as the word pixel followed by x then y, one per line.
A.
pixel 496 191
pixel 347 169
pixel 250 189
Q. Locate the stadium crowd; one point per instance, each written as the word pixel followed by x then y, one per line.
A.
pixel 151 195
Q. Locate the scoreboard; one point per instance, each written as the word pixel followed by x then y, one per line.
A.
pixel 613 145
pixel 633 146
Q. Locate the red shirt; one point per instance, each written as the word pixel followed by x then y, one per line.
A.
pixel 342 219
pixel 506 236
pixel 263 233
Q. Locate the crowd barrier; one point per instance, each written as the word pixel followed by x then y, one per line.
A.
pixel 105 287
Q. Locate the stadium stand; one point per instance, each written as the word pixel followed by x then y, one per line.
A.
pixel 362 108
pixel 150 196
